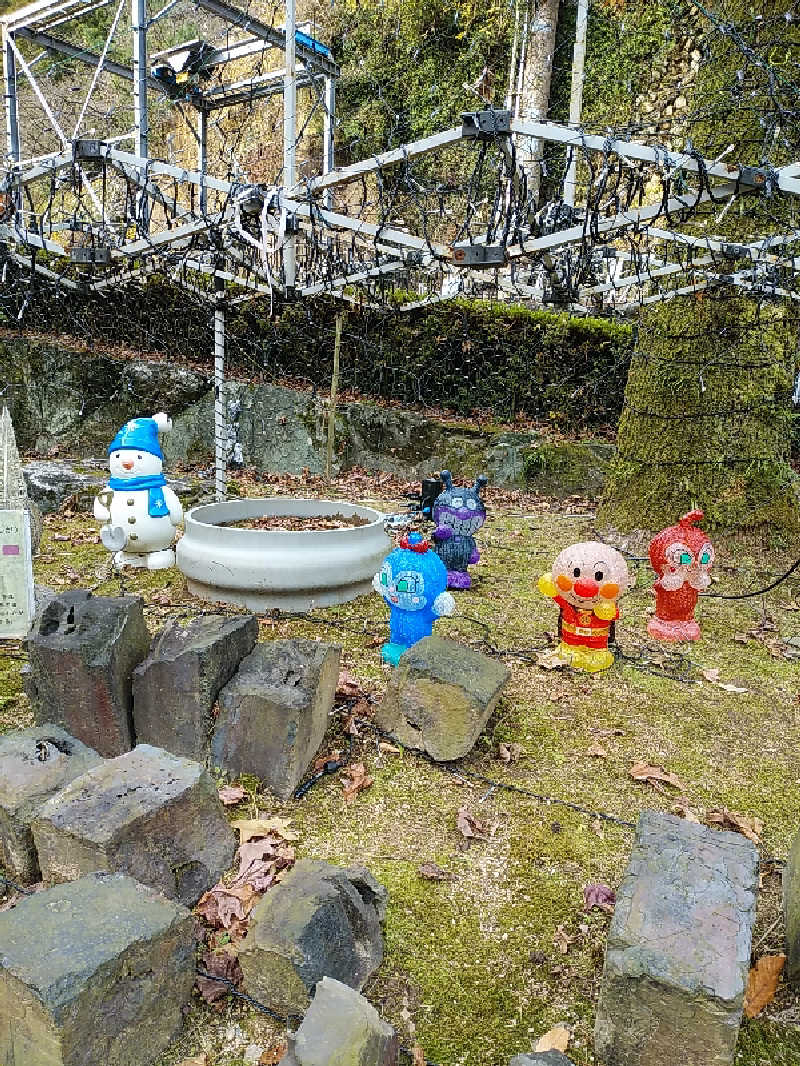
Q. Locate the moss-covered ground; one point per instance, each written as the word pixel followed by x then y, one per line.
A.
pixel 477 967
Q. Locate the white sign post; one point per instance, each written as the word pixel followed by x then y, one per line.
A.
pixel 16 574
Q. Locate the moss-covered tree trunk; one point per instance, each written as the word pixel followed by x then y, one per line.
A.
pixel 707 418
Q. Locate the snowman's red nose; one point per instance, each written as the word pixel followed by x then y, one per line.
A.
pixel 586 586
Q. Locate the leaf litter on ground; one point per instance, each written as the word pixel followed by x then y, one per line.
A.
pixel 656 776
pixel 762 983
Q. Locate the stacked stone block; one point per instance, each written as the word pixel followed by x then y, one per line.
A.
pixel 148 813
pixel 93 973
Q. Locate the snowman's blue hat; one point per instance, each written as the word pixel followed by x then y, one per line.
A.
pixel 140 434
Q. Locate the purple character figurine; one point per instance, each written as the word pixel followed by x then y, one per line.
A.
pixel 458 513
pixel 413 581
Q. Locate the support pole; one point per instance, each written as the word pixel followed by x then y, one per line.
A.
pixel 576 96
pixel 220 421
pixel 140 119
pixel 202 155
pixel 289 135
pixel 328 145
pixel 10 94
pixel 337 344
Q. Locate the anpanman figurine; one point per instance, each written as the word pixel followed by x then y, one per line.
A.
pixel 586 580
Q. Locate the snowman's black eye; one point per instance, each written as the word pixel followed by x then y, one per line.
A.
pixel 138 457
pixel 577 571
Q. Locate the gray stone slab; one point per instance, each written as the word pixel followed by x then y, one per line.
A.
pixel 678 951
pixel 35 763
pixel 319 921
pixel 791 912
pixel 440 697
pixel 176 687
pixel 148 813
pixel 93 973
pixel 274 713
pixel 82 650
pixel 51 483
pixel 342 1028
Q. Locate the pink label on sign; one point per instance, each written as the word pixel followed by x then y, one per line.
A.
pixel 11 549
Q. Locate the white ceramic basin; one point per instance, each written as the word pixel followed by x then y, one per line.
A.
pixel 293 571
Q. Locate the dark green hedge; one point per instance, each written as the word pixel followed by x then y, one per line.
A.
pixel 465 357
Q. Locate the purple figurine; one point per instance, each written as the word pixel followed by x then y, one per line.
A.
pixel 458 513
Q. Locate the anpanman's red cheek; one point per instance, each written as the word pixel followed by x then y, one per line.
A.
pixel 564 583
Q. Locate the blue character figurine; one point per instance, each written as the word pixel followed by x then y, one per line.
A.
pixel 458 513
pixel 413 581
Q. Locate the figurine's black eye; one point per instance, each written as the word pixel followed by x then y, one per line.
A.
pixel 577 571
pixel 598 575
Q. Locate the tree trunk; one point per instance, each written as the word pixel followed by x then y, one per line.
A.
pixel 707 419
pixel 536 68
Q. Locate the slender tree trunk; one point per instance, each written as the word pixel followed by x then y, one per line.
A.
pixel 536 57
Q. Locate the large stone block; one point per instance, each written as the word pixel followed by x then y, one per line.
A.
pixel 94 973
pixel 150 814
pixel 319 921
pixel 440 697
pixel 678 951
pixel 34 764
pixel 82 651
pixel 791 912
pixel 176 687
pixel 341 1028
pixel 274 713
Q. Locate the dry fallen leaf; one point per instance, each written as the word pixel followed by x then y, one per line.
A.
pixel 198 1060
pixel 562 940
pixel 354 780
pixel 264 827
pixel 600 896
pixel 597 751
pixel 231 794
pixel 347 687
pixel 431 871
pixel 711 675
pixel 418 1055
pixel 222 906
pixel 555 1039
pixel 654 775
pixel 509 752
pixel 683 810
pixel 739 823
pixel 389 749
pixel 469 826
pixel 762 982
pixel 221 963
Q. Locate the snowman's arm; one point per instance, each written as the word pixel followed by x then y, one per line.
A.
pixel 174 506
pixel 100 511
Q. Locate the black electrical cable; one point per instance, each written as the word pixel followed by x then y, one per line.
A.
pixel 758 592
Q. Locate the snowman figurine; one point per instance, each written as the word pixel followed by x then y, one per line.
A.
pixel 139 509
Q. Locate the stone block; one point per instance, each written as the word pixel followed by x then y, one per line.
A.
pixel 791 912
pixel 341 1028
pixel 93 973
pixel 34 764
pixel 148 813
pixel 678 951
pixel 319 921
pixel 440 697
pixel 82 651
pixel 274 713
pixel 176 687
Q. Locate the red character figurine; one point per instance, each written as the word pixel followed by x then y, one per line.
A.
pixel 682 557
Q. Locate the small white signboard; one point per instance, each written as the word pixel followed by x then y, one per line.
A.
pixel 16 574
